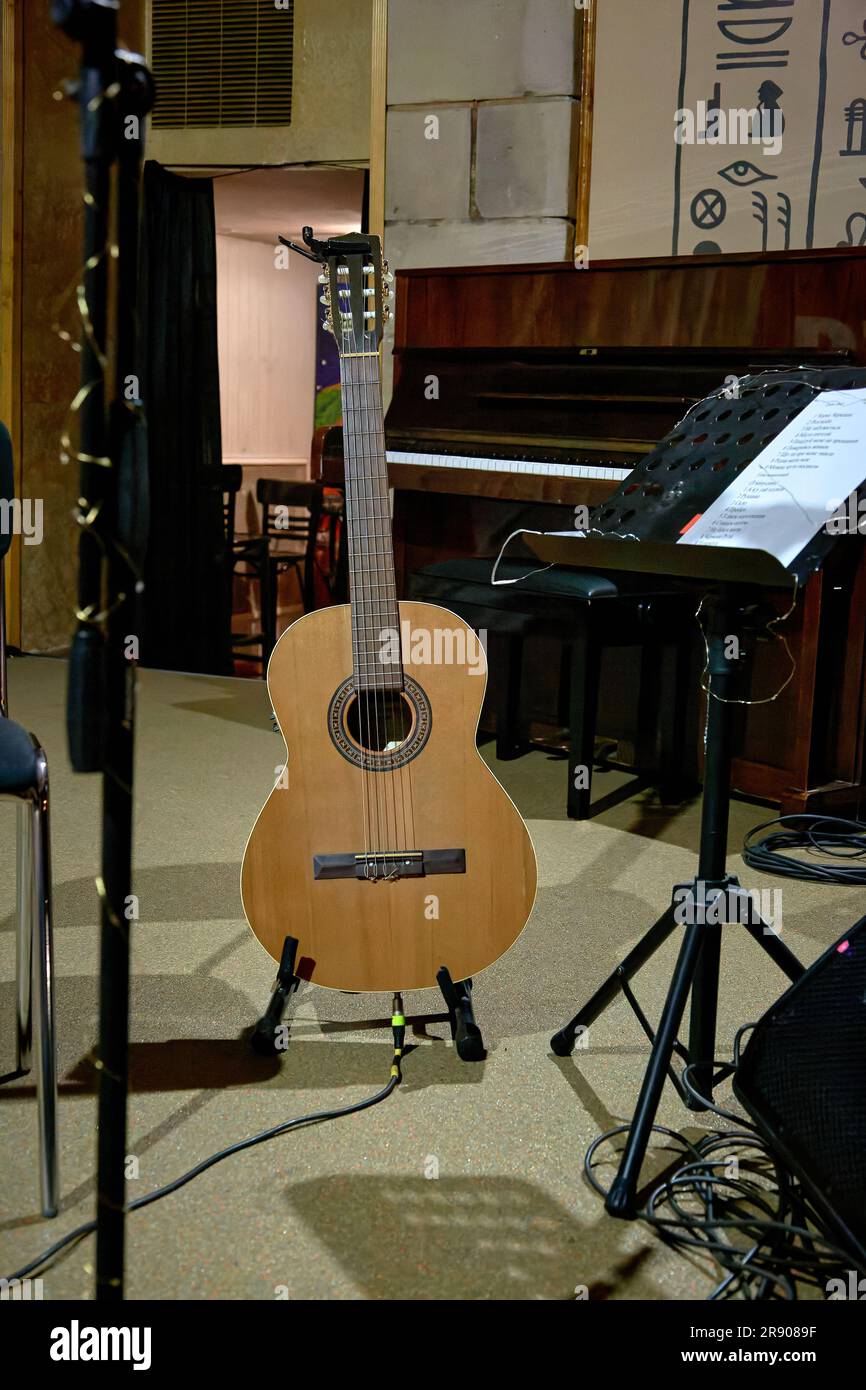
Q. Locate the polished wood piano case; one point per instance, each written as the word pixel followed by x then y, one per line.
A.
pixel 521 392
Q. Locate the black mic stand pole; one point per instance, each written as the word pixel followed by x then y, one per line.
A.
pixel 114 93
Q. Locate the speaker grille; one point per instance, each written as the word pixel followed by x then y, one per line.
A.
pixel 803 1078
pixel 222 63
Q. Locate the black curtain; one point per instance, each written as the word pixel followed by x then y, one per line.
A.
pixel 187 600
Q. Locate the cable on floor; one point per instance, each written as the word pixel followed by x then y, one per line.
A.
pixel 731 1199
pixel 837 839
pixel 398 1024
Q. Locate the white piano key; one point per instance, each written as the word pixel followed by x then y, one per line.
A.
pixel 540 467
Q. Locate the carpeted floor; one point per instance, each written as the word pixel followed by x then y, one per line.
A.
pixel 467 1182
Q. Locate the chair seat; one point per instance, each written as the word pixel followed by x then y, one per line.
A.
pixel 18 758
pixel 468 581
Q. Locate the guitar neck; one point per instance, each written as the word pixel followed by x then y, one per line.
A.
pixel 373 589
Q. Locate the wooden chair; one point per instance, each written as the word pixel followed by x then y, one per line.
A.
pixel 290 522
pixel 242 555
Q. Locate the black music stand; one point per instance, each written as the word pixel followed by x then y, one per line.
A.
pixel 637 530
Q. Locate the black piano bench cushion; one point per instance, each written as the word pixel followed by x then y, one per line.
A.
pixel 17 758
pixel 557 582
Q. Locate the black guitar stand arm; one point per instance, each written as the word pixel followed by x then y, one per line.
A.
pixel 464 1030
pixel 270 1038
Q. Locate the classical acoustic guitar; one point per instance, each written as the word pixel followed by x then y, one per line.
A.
pixel 388 849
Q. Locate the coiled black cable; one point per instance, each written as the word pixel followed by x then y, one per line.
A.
pixel 832 836
pixel 750 1216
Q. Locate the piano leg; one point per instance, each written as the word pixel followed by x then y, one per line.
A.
pixel 583 704
pixel 649 707
pixel 508 741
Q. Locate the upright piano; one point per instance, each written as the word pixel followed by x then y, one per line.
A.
pixel 523 392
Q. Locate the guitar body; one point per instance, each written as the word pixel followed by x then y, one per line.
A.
pixel 385 930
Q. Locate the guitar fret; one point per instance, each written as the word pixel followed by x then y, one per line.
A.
pixel 372 583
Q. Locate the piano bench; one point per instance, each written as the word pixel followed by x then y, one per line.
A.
pixel 586 611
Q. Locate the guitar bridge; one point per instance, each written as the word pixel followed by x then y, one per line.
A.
pixel 390 864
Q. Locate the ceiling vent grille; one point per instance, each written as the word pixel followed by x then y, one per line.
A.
pixel 222 62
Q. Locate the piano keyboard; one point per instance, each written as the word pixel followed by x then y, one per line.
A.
pixel 558 468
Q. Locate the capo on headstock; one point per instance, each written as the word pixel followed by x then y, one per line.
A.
pixel 355 281
pixel 321 250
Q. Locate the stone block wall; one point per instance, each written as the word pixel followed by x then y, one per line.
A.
pixel 482 129
pixel 481 132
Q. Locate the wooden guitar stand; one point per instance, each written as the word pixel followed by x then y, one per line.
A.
pixel 457 995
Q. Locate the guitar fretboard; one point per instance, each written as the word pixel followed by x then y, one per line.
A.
pixel 375 615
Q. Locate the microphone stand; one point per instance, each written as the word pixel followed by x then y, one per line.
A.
pixel 114 93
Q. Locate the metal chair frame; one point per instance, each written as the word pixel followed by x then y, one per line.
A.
pixel 34 954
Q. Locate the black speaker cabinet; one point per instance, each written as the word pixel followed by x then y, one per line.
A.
pixel 802 1078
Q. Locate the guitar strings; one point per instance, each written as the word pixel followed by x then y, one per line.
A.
pixel 401 773
pixel 398 772
pixel 402 780
pixel 371 410
pixel 364 596
pixel 389 777
pixel 363 609
pixel 372 621
pixel 406 771
pixel 353 509
pixel 392 776
pixel 352 516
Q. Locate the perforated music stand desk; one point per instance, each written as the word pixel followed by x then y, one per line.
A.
pixel 715 563
pixel 638 530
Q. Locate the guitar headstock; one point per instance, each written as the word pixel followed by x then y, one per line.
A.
pixel 356 290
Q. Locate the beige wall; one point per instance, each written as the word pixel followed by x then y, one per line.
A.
pixel 267 343
pixel 330 99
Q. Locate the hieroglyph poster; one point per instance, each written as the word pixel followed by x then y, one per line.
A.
pixel 728 125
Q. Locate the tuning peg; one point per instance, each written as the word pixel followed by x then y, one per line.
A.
pixel 323 278
pixel 324 298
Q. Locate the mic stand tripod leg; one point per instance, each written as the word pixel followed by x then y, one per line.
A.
pixel 768 938
pixel 562 1043
pixel 621 1198
pixel 704 904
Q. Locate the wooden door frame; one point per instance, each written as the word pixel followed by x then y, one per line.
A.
pixel 11 120
pixel 378 111
pixel 585 120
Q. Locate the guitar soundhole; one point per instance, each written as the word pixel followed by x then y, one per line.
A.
pixel 379 730
pixel 379 721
